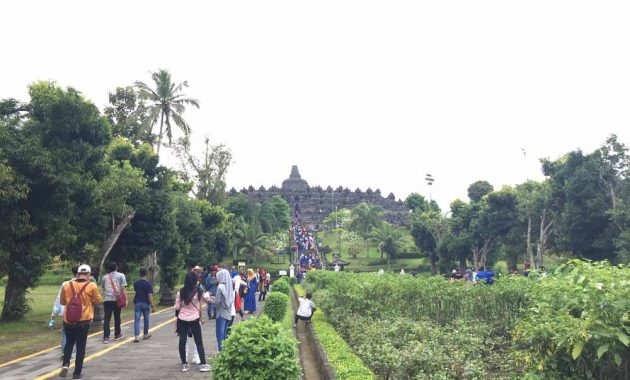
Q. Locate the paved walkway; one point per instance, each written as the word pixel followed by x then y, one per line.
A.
pixel 155 358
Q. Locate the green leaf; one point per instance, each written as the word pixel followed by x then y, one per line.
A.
pixel 623 338
pixel 617 359
pixel 602 350
pixel 577 349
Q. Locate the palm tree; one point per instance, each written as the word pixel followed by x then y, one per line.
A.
pixel 166 103
pixel 389 240
pixel 253 241
pixel 365 216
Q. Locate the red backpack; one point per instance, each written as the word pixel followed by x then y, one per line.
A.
pixel 74 308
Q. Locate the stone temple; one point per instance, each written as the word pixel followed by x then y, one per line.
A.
pixel 315 203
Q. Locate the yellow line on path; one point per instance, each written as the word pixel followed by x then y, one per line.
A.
pixel 102 352
pixel 17 360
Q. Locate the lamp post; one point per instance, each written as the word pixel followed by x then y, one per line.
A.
pixel 429 179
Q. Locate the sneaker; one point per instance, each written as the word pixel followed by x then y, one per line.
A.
pixel 105 340
pixel 80 376
pixel 145 337
pixel 205 368
pixel 64 371
pixel 185 367
pixel 119 337
pixel 196 360
pixel 136 340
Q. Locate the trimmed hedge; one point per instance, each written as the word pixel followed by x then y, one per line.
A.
pixel 276 305
pixel 281 286
pixel 345 364
pixel 258 349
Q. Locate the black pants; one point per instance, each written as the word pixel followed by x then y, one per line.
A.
pixel 110 307
pixel 182 330
pixel 262 295
pixel 75 334
pixel 301 318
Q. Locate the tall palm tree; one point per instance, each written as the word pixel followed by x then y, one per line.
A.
pixel 389 240
pixel 363 217
pixel 253 241
pixel 167 103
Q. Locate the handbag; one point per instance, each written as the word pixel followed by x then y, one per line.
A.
pixel 121 299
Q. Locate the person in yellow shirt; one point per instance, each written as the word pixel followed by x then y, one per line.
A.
pixel 77 332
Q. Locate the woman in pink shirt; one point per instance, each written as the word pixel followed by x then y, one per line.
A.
pixel 188 311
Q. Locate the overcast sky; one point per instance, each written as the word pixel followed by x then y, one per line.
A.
pixel 356 93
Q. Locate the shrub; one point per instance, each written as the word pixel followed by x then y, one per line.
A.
pixel 276 305
pixel 281 286
pixel 258 349
pixel 292 281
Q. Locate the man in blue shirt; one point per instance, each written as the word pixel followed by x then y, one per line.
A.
pixel 143 302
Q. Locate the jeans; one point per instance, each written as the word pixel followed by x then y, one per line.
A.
pixel 110 306
pixel 299 317
pixel 141 309
pixel 75 334
pixel 222 326
pixel 212 310
pixel 182 330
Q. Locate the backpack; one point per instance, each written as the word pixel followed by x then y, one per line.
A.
pixel 74 309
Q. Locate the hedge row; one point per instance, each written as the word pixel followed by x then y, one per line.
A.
pixel 345 364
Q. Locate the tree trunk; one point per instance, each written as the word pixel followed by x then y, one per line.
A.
pixel 15 305
pixel 113 237
pixel 476 256
pixel 542 239
pixel 367 248
pixel 530 253
pixel 487 244
pixel 433 265
pixel 167 297
pixel 462 265
pixel 160 135
pixel 153 269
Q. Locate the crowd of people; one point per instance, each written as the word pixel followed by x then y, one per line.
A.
pixel 227 293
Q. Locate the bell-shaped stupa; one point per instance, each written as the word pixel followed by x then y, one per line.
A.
pixel 295 181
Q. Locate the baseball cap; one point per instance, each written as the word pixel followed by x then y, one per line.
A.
pixel 83 269
pixel 197 267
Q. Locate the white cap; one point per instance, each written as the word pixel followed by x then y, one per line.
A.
pixel 84 269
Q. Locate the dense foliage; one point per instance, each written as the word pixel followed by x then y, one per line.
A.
pixel 576 321
pixel 276 305
pixel 281 285
pixel 258 349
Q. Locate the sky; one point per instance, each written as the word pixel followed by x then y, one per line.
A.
pixel 356 93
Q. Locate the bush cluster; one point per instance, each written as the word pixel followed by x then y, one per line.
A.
pixel 258 349
pixel 573 324
pixel 276 305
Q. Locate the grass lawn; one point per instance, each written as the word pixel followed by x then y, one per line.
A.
pixel 32 334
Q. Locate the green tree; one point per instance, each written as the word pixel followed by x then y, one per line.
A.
pixel 363 218
pixel 53 150
pixel 428 230
pixel 478 189
pixel 389 240
pixel 416 203
pixel 166 104
pixel 128 115
pixel 254 242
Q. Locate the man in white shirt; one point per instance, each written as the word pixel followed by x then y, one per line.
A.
pixel 305 310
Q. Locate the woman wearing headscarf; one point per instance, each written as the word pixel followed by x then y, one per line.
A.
pixel 188 310
pixel 250 297
pixel 224 302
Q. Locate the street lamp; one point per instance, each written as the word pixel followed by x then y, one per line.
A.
pixel 429 179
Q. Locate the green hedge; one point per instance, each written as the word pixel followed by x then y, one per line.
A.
pixel 281 286
pixel 258 349
pixel 345 364
pixel 276 305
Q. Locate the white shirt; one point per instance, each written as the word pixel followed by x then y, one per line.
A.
pixel 306 307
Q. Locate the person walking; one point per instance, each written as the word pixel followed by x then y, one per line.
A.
pixel 114 283
pixel 224 304
pixel 211 288
pixel 250 297
pixel 79 296
pixel 143 305
pixel 188 311
pixel 58 309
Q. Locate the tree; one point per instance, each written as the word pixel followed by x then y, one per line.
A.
pixel 389 240
pixel 428 230
pixel 254 242
pixel 478 189
pixel 208 173
pixel 364 217
pixel 54 149
pixel 166 103
pixel 128 115
pixel 416 203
